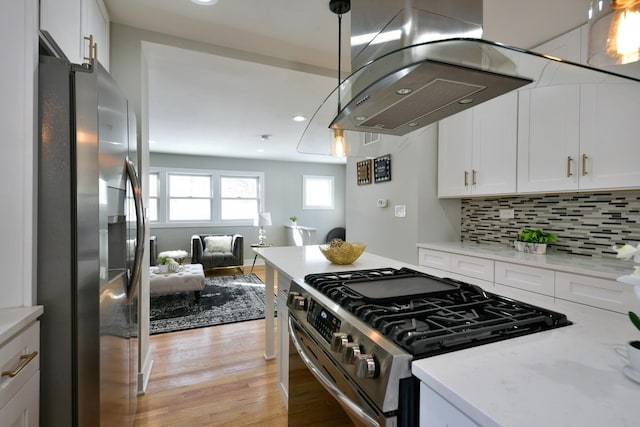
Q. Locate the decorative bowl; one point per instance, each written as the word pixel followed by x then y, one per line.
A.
pixel 339 252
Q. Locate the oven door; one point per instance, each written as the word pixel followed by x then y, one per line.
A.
pixel 312 401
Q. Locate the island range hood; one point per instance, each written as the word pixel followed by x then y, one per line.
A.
pixel 419 61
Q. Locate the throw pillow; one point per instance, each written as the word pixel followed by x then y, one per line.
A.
pixel 218 243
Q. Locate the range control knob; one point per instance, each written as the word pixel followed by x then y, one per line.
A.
pixel 366 366
pixel 299 303
pixel 351 353
pixel 338 341
pixel 290 298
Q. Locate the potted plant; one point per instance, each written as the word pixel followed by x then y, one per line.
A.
pixel 163 264
pixel 293 220
pixel 534 241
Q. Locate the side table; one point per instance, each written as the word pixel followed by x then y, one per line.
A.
pixel 258 245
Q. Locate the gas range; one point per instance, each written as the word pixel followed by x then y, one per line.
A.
pixel 372 323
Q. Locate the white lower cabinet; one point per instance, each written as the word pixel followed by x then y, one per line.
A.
pixel 596 292
pixel 20 381
pixel 283 334
pixel 523 277
pixel 435 411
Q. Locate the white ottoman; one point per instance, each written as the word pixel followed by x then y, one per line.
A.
pixel 189 278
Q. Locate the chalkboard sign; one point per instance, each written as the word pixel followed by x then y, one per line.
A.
pixel 382 168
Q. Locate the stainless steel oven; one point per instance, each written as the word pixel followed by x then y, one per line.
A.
pixel 354 334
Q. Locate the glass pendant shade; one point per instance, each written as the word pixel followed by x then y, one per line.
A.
pixel 614 34
pixel 338 148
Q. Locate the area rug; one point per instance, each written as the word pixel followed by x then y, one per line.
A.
pixel 224 299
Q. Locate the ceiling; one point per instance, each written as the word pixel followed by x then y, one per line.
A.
pixel 274 59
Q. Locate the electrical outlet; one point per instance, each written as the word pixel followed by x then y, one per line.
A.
pixel 400 211
pixel 507 214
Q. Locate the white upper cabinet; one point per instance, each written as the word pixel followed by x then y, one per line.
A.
pixel 548 139
pixel 477 149
pixel 578 137
pixel 609 136
pixel 72 22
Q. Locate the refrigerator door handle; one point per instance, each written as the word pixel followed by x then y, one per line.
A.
pixel 136 274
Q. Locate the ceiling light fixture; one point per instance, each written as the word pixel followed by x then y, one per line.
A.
pixel 299 118
pixel 339 7
pixel 205 2
pixel 614 33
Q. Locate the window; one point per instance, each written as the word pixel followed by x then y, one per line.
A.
pixel 317 192
pixel 190 197
pixel 153 197
pixel 238 197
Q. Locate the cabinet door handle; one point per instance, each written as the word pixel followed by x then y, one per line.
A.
pixel 466 178
pixel 584 164
pixel 569 160
pixel 93 48
pixel 26 358
pixel 473 176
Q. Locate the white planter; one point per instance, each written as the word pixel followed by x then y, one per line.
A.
pixel 531 248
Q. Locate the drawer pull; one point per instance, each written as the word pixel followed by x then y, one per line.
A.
pixel 26 358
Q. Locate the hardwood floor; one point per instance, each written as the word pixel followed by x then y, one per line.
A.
pixel 213 376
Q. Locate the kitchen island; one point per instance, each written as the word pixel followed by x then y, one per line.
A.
pixel 568 376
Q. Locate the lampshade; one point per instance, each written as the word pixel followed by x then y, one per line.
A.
pixel 263 219
pixel 614 33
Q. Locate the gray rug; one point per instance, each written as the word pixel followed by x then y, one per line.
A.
pixel 225 299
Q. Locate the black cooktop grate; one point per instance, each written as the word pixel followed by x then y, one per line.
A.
pixel 430 324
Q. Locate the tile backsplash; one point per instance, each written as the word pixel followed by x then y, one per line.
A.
pixel 586 223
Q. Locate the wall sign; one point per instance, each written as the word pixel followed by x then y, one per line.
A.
pixel 364 171
pixel 382 168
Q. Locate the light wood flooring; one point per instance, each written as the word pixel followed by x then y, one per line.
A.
pixel 214 376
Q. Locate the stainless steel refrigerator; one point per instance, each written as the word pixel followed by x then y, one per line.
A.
pixel 90 235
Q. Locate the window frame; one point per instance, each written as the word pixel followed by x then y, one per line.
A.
pixel 216 200
pixel 329 178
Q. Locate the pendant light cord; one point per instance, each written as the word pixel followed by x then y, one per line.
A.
pixel 339 57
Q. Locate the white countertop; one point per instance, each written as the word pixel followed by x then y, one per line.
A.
pixel 298 261
pixel 568 376
pixel 13 320
pixel 597 267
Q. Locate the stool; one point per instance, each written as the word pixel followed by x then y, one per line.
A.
pixel 190 278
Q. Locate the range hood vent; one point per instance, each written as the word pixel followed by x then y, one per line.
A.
pixel 425 64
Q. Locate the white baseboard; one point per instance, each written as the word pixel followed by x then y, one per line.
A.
pixel 143 377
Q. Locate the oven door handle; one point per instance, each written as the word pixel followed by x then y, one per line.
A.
pixel 331 388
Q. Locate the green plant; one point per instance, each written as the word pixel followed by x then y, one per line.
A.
pixel 530 235
pixel 163 260
pixel 293 218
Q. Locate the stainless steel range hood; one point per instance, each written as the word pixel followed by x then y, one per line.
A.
pixel 426 63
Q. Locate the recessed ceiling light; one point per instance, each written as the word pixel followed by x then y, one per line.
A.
pixel 205 2
pixel 299 118
pixel 404 91
pixel 260 150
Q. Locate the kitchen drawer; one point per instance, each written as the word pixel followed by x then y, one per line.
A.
pixel 528 278
pixel 596 292
pixel 434 259
pixel 479 268
pixel 14 352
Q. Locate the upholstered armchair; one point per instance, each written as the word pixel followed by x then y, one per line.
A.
pixel 217 250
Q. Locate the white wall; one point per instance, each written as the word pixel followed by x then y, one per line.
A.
pixel 413 184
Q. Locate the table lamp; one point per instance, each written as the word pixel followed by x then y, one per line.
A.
pixel 262 220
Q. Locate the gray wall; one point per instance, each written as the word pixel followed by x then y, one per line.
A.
pixel 283 198
pixel 414 167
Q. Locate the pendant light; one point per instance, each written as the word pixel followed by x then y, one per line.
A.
pixel 339 7
pixel 614 33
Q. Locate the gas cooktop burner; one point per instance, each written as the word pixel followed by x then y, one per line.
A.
pixel 427 315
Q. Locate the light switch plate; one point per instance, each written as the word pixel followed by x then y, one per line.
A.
pixel 400 211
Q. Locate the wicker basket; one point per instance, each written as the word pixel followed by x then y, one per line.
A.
pixel 345 254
